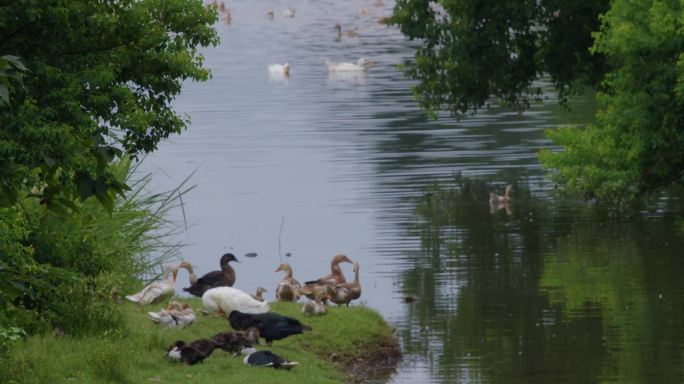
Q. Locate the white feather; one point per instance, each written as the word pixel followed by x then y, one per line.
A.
pixel 228 299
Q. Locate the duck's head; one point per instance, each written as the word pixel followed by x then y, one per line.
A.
pixel 260 291
pixel 174 351
pixel 227 258
pixel 283 267
pixel 185 265
pixel 341 259
pixel 363 62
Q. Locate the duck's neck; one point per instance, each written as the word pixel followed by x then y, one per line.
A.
pixel 335 269
pixel 288 272
pixel 356 276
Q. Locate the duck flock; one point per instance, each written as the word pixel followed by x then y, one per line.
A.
pixel 280 72
pixel 249 315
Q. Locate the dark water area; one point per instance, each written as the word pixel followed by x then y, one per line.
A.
pixel 298 169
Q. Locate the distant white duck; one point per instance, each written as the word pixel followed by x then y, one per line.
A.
pixel 278 70
pixel 290 12
pixel 228 299
pixel 360 66
pixel 347 33
pixel 176 315
pixel 159 290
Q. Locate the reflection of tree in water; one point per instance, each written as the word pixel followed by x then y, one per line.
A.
pixel 543 295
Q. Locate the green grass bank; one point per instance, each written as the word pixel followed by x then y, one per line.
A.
pixel 346 345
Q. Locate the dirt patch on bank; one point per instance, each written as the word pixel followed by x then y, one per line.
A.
pixel 377 363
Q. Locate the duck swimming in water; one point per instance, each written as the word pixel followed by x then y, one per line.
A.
pixel 361 65
pixel 223 278
pixel 159 290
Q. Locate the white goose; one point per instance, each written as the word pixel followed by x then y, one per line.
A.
pixel 361 65
pixel 228 299
pixel 159 290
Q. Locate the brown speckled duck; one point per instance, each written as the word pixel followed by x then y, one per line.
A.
pixel 223 278
pixel 345 292
pixel 288 288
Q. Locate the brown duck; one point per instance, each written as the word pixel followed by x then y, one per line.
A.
pixel 336 276
pixel 288 288
pixel 345 292
pixel 223 278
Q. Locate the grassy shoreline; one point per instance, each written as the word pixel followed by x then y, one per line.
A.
pixel 345 343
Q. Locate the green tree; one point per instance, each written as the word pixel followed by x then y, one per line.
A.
pixel 474 50
pixel 636 144
pixel 101 81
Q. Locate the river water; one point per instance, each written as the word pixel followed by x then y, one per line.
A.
pixel 300 169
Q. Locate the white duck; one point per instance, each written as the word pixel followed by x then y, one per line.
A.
pixel 279 70
pixel 159 290
pixel 290 12
pixel 361 65
pixel 176 314
pixel 228 299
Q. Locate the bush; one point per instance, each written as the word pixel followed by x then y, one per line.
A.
pixel 62 270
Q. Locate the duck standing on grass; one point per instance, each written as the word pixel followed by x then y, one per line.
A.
pixel 266 359
pixel 336 276
pixel 288 288
pixel 191 272
pixel 225 300
pixel 344 293
pixel 271 326
pixel 159 290
pixel 223 278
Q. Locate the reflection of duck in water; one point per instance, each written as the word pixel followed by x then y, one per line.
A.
pixel 497 202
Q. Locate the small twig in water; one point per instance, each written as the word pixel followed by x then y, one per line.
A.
pixel 280 254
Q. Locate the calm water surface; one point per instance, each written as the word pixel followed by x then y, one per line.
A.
pixel 544 291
